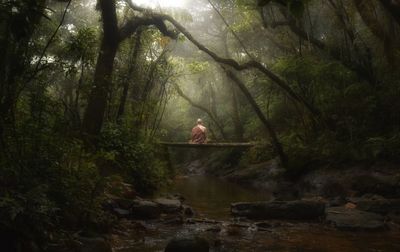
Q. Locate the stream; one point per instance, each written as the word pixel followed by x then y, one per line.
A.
pixel 210 198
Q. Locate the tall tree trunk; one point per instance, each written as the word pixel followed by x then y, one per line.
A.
pixel 18 29
pixel 130 74
pixel 94 114
pixel 237 123
pixel 272 134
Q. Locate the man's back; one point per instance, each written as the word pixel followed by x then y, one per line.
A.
pixel 199 134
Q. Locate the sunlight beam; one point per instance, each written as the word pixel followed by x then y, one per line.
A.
pixel 161 3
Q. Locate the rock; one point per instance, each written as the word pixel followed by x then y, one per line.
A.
pixel 174 221
pixel 120 189
pixel 214 229
pixel 263 225
pixel 394 217
pixel 380 206
pixel 233 230
pixel 353 219
pixel 294 210
pixel 95 244
pixel 109 204
pixel 337 201
pixel 350 205
pixel 188 211
pixel 178 197
pixel 143 209
pixel 286 191
pixel 169 205
pixel 186 244
pixel 370 183
pixel 121 213
pixel 333 188
pixel 124 203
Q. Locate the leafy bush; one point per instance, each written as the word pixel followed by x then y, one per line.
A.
pixel 131 155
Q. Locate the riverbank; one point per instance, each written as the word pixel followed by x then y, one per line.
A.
pixel 257 208
pixel 211 198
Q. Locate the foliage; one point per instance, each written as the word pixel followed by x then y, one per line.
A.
pixel 130 155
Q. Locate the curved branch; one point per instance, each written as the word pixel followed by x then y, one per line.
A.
pixel 274 138
pixel 131 26
pixel 252 64
pixel 208 112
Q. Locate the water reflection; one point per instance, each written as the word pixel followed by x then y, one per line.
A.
pixel 211 197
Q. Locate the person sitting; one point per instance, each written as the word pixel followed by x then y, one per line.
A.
pixel 199 133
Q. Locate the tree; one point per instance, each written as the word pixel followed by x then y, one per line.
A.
pixel 112 37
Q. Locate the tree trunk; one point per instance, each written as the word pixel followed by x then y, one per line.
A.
pixel 94 114
pixel 237 124
pixel 274 138
pixel 125 90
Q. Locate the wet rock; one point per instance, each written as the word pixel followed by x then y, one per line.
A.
pixel 233 230
pixel 188 211
pixel 186 244
pixel 169 205
pixel 394 217
pixel 263 225
pixel 121 213
pixel 143 209
pixel 294 210
pixel 178 197
pixel 353 219
pixel 372 183
pixel 333 188
pixel 124 203
pixel 109 204
pixel 337 201
pixel 214 229
pixel 174 221
pixel 381 206
pixel 94 244
pixel 120 189
pixel 286 191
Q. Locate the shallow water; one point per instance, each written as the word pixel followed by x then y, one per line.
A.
pixel 211 197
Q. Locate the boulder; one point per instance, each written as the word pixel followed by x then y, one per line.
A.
pixel 352 219
pixel 293 210
pixel 169 205
pixel 188 211
pixel 91 244
pixel 380 206
pixel 337 201
pixel 124 203
pixel 121 213
pixel 186 244
pixel 387 186
pixel 143 209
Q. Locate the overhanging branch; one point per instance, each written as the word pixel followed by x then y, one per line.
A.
pixel 252 64
pixel 196 105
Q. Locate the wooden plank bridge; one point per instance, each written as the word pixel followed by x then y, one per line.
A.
pixel 207 145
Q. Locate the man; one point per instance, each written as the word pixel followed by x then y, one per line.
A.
pixel 199 133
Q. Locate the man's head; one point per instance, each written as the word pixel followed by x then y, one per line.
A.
pixel 199 121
